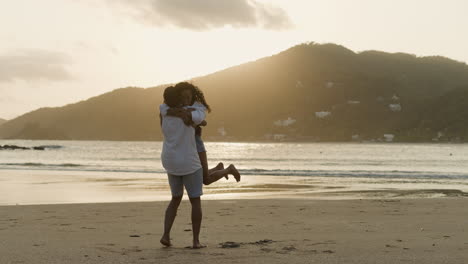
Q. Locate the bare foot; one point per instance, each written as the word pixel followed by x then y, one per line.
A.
pixel 235 172
pixel 198 245
pixel 166 241
pixel 220 166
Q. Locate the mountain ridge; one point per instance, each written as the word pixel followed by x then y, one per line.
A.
pixel 309 92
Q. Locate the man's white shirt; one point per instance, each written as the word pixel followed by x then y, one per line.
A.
pixel 179 155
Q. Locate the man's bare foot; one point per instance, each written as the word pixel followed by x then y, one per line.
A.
pixel 235 172
pixel 198 245
pixel 166 241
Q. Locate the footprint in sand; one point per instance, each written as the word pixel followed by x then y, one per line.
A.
pixel 289 248
pixel 109 250
pixel 328 242
pixel 262 242
pixel 229 244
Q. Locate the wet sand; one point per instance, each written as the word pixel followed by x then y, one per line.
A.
pixel 431 230
pixel 58 187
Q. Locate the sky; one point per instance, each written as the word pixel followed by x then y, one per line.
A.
pixel 56 52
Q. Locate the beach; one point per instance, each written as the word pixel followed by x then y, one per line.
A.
pixel 261 231
pixel 104 202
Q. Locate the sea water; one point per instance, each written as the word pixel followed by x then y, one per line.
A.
pixel 134 171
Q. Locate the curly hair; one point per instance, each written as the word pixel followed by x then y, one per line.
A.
pixel 197 94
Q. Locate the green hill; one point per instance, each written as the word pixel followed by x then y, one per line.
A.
pixel 309 92
pixel 123 114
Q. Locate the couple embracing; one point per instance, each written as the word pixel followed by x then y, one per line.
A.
pixel 184 154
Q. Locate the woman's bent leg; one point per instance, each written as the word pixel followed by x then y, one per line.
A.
pixel 209 176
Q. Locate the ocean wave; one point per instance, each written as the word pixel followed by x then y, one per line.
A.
pixel 357 173
pixel 51 146
pixel 35 164
pixel 74 167
pixel 389 174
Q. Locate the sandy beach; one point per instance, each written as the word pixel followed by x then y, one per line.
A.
pixel 261 231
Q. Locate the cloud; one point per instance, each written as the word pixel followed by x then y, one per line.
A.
pixel 32 65
pixel 201 15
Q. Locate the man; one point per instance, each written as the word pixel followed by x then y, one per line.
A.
pixel 180 159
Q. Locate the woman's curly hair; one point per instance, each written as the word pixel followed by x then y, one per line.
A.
pixel 197 94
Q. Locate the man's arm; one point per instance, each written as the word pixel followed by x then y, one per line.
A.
pixel 203 123
pixel 165 110
pixel 191 116
pixel 181 113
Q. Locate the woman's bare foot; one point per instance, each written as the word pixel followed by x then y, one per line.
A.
pixel 198 245
pixel 166 241
pixel 232 170
pixel 220 166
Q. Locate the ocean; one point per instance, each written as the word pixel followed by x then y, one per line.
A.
pixel 111 171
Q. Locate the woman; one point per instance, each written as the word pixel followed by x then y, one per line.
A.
pixel 193 98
